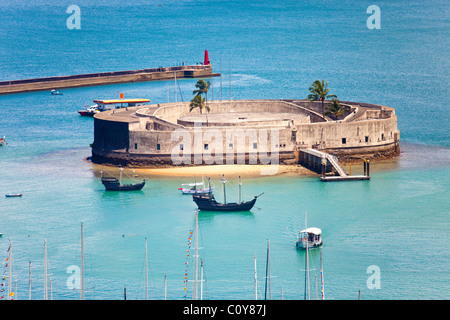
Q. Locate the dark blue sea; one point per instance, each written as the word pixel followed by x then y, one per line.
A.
pixel 397 223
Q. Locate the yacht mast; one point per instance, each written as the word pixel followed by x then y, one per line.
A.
pixel 146 270
pixel 45 269
pixel 9 270
pixel 256 282
pixel 195 286
pixel 82 266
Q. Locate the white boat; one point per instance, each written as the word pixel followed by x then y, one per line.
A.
pixel 55 93
pixel 310 237
pixel 104 105
pixel 195 188
pixel 3 141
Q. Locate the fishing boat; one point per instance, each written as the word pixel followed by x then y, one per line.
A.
pixel 13 195
pixel 310 237
pixel 208 202
pixel 3 141
pixel 195 188
pixel 114 184
pixel 104 105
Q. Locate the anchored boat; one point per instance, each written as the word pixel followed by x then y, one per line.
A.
pixel 104 105
pixel 13 195
pixel 309 238
pixel 114 184
pixel 196 188
pixel 208 202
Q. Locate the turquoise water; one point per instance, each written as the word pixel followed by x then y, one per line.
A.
pixel 398 221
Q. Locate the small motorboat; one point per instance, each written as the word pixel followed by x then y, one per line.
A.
pixel 195 188
pixel 13 195
pixel 310 237
pixel 3 141
pixel 56 93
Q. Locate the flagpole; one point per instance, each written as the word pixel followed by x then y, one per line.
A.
pixel 9 270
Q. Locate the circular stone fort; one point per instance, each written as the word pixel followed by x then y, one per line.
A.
pixel 241 132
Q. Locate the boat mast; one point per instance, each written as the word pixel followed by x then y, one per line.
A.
pixel 45 269
pixel 321 277
pixel 223 180
pixel 268 273
pixel 307 271
pixel 9 270
pixel 82 266
pixel 165 286
pixel 201 279
pixel 195 287
pixel 146 270
pixel 29 280
pixel 256 282
pixel 240 184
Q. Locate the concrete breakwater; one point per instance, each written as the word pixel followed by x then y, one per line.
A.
pixel 104 78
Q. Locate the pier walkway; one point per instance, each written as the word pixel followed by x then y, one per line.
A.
pixel 323 162
pixel 104 78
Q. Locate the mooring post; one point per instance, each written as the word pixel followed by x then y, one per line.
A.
pixel 368 165
pixel 365 167
pixel 324 168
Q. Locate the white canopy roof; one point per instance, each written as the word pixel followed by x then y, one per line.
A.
pixel 316 231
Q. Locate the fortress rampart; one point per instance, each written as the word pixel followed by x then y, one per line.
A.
pixel 240 131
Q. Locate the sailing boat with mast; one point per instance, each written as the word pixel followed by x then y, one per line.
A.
pixel 114 184
pixel 208 202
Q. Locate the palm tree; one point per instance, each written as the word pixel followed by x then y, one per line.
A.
pixel 199 102
pixel 335 109
pixel 319 91
pixel 202 87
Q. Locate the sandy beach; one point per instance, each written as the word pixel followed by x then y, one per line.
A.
pixel 218 170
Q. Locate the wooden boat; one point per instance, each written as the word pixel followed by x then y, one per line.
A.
pixel 114 184
pixel 208 202
pixel 12 195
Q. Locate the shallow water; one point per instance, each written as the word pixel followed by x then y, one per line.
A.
pixel 397 221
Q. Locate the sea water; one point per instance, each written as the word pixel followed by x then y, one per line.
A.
pixel 396 224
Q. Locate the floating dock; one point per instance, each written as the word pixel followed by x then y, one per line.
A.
pixel 322 162
pixel 104 78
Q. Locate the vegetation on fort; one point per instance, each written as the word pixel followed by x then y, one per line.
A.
pixel 198 101
pixel 319 92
